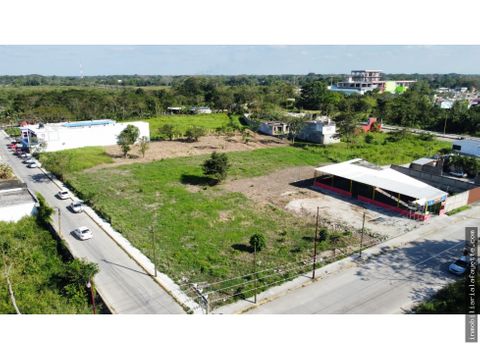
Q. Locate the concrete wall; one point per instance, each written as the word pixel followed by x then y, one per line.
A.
pixel 440 182
pixel 16 212
pixel 456 201
pixel 62 138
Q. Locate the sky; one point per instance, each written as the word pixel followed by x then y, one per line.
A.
pixel 63 60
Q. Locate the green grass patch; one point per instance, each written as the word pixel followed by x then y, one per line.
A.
pixel 210 122
pixel 449 300
pixel 37 272
pixel 460 209
pixel 70 161
pixel 202 232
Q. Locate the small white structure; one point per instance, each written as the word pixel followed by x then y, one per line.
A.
pixel 467 147
pixel 71 135
pixel 15 201
pixel 273 128
pixel 201 110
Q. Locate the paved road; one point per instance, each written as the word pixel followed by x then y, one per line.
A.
pixel 437 135
pixel 387 283
pixel 124 285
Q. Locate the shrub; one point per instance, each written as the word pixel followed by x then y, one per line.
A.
pixel 6 172
pixel 168 131
pixel 323 235
pixel 194 133
pixel 44 211
pixel 217 166
pixel 257 241
pixel 369 138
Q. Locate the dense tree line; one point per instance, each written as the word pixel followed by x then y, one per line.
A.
pixel 435 80
pixel 63 104
pixel 414 108
pixel 266 96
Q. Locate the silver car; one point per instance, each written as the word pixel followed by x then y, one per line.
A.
pixel 83 233
pixel 76 206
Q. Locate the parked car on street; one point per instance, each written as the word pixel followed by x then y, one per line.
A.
pixel 76 206
pixel 459 266
pixel 29 161
pixel 63 194
pixel 33 165
pixel 83 233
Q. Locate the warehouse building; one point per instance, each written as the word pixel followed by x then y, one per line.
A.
pixel 71 135
pixel 384 187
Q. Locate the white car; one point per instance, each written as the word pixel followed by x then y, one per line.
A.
pixel 76 206
pixel 29 161
pixel 459 266
pixel 83 233
pixel 63 194
pixel 33 165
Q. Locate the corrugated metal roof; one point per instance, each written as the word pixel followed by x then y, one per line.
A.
pixel 384 178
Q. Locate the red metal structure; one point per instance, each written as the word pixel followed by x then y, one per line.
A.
pixel 369 125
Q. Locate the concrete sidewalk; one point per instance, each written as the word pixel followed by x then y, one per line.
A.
pixel 435 225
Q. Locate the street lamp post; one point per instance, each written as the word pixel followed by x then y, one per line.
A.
pixel 92 296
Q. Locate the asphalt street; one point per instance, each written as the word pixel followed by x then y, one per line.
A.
pixel 121 282
pixel 388 283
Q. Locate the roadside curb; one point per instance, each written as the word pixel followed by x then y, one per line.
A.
pixel 136 255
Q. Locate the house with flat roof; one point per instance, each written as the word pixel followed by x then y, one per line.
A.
pixel 322 130
pixel 71 135
pixel 15 200
pixel 383 187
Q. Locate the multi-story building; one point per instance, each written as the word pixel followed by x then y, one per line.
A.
pixel 362 81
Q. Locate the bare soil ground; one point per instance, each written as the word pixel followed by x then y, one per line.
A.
pixel 291 189
pixel 169 149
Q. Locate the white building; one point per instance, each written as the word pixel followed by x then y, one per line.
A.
pixel 321 130
pixel 71 135
pixel 274 128
pixel 15 201
pixel 201 110
pixel 467 147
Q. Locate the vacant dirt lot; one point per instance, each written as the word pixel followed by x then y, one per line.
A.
pixel 169 149
pixel 291 189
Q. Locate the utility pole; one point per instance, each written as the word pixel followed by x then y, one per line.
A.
pixel 92 296
pixel 445 124
pixel 59 223
pixel 154 252
pixel 363 230
pixel 315 245
pixel 255 270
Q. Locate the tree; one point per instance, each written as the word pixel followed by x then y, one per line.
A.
pixel 295 126
pixel 194 133
pixel 44 211
pixel 217 166
pixel 257 242
pixel 127 138
pixel 143 144
pixel 168 131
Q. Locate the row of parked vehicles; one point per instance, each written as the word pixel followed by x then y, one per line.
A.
pixel 83 232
